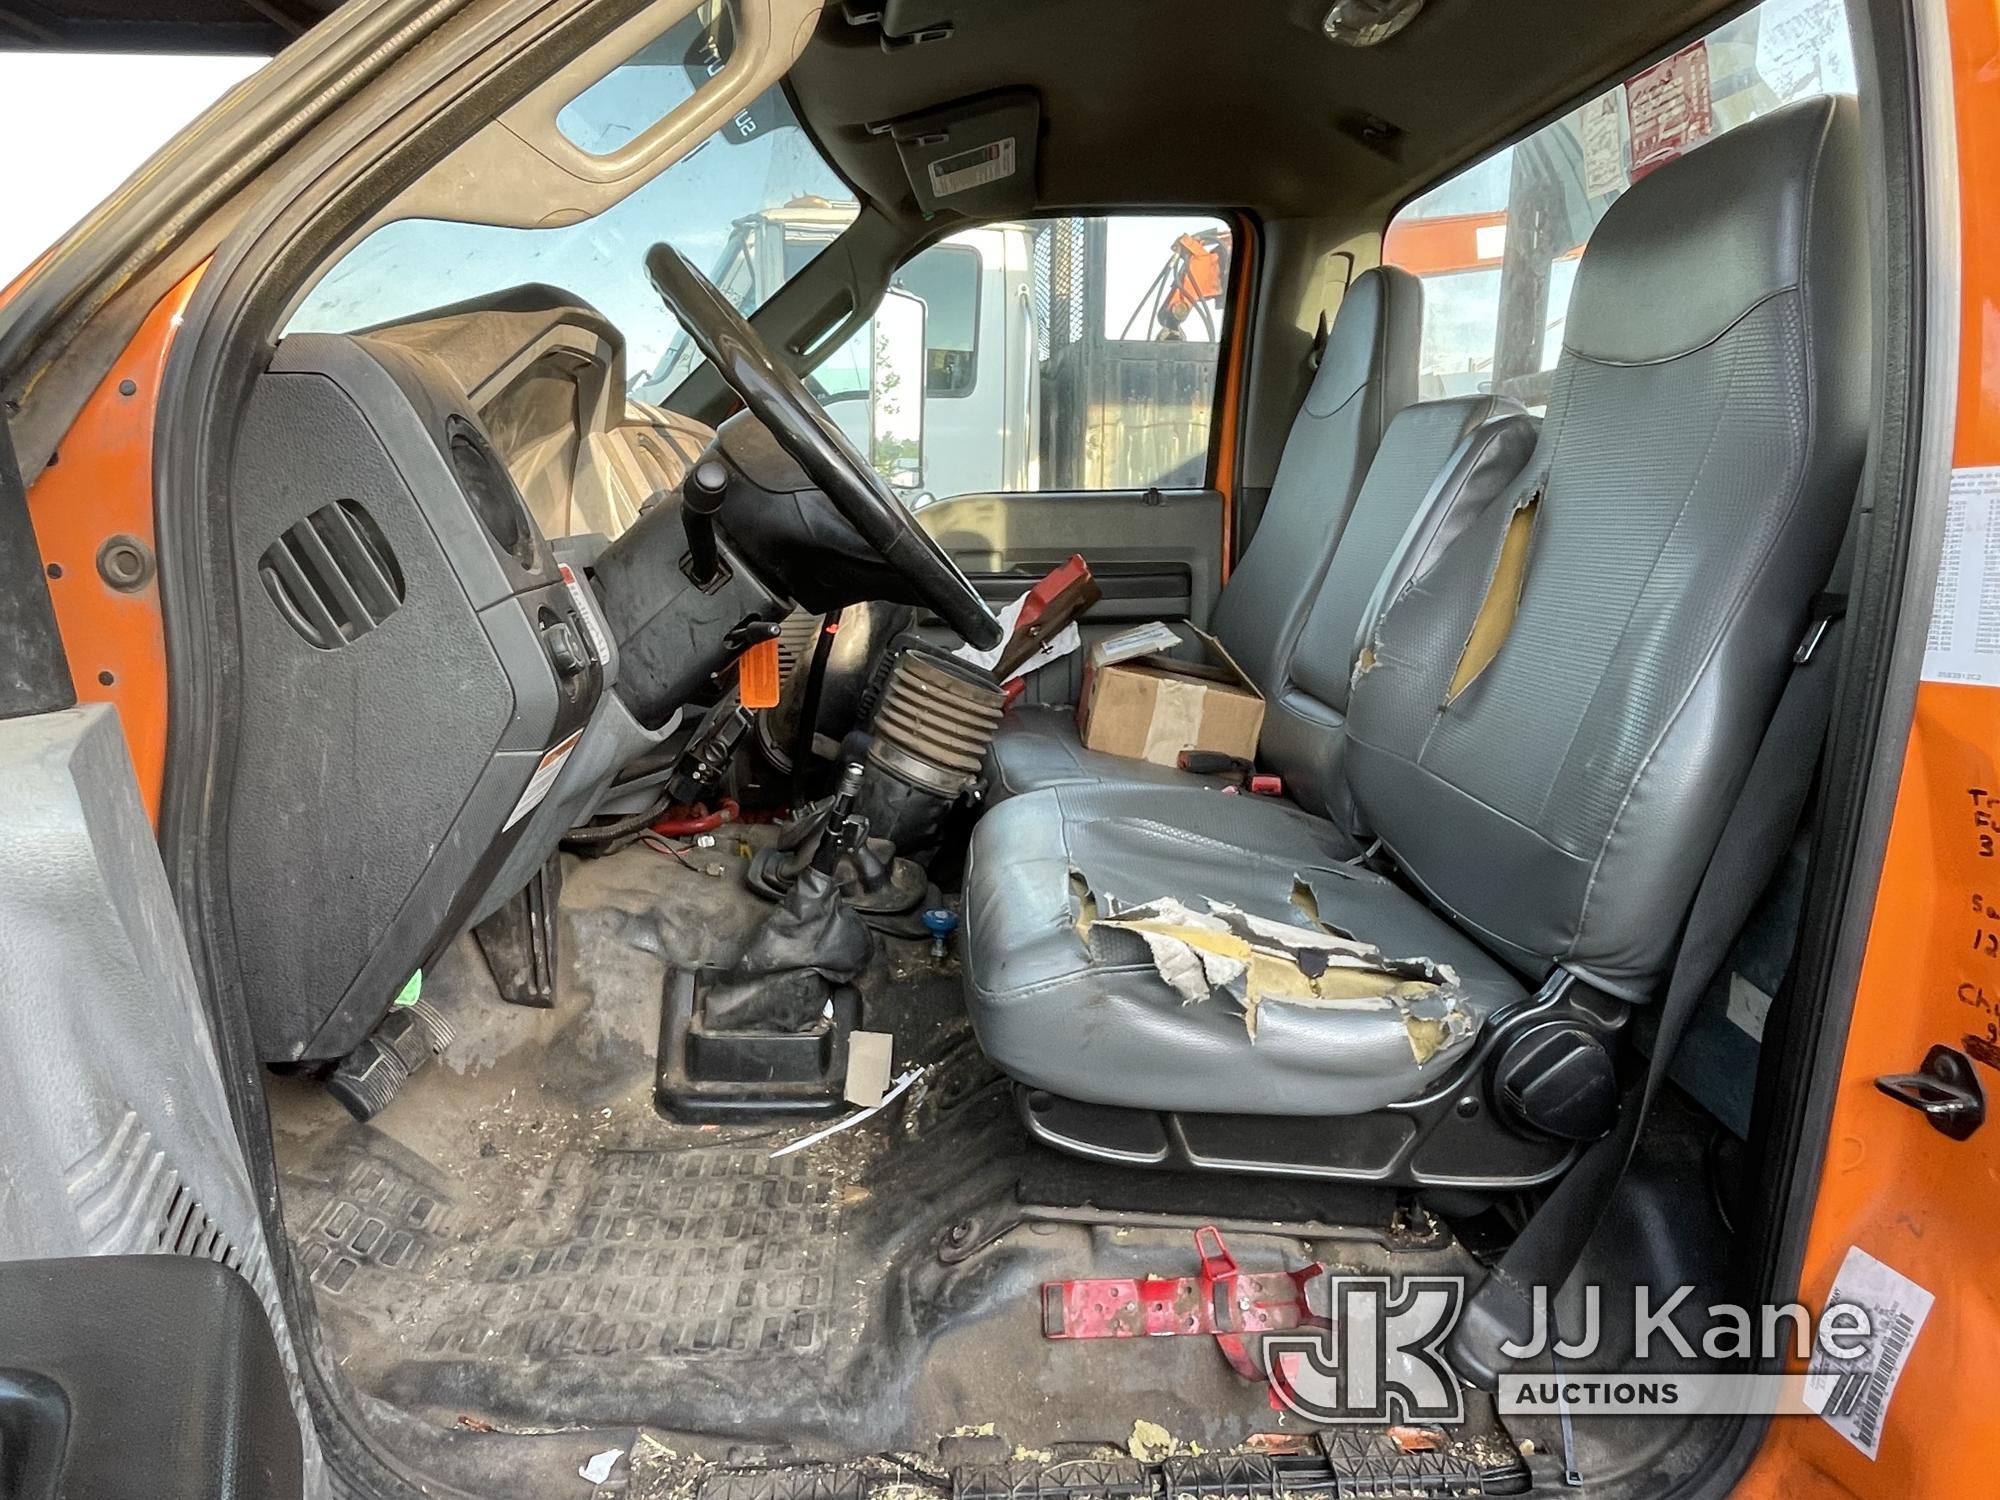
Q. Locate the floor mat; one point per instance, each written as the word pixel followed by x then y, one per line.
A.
pixel 521 1244
pixel 708 1251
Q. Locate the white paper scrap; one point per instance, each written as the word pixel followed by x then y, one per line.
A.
pixel 1964 640
pixel 599 1468
pixel 1057 646
pixel 1140 640
pixel 909 1076
pixel 1748 1007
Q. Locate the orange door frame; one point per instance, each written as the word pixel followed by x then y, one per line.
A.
pixel 92 509
pixel 1927 1205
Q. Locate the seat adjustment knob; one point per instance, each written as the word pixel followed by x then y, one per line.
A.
pixel 1558 1079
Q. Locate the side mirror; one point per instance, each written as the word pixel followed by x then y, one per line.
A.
pixel 896 390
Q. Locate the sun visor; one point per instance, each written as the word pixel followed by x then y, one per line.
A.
pixel 906 21
pixel 975 157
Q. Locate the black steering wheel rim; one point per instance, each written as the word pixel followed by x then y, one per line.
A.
pixel 777 397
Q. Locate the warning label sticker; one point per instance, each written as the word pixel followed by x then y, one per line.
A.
pixel 1852 1394
pixel 965 170
pixel 1964 640
pixel 547 769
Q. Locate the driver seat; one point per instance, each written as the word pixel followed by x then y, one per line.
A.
pixel 1545 736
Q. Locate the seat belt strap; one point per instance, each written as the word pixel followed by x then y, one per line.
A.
pixel 1317 352
pixel 1759 830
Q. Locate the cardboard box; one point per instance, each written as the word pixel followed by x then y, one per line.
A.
pixel 1141 702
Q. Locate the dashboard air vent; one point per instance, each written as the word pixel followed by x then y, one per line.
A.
pixel 492 493
pixel 332 575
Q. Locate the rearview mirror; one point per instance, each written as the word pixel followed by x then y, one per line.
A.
pixel 896 390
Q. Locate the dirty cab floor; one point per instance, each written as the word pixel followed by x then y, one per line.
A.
pixel 522 1243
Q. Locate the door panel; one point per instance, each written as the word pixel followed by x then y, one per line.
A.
pixel 114 1122
pixel 117 1134
pixel 1151 589
pixel 1155 553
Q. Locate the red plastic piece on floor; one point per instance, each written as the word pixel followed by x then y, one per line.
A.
pixel 1223 1302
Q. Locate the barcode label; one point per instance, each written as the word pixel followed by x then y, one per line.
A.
pixel 974 168
pixel 1852 1395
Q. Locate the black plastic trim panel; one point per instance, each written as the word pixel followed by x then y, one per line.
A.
pixel 141 1377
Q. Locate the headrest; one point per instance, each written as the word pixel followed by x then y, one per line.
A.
pixel 1689 249
pixel 1376 335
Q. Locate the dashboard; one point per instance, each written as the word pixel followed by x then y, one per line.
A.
pixel 428 674
pixel 468 596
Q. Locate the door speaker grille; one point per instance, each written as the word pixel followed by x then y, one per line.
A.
pixel 332 575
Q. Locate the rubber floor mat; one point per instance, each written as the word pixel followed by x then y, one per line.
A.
pixel 694 1251
pixel 521 1246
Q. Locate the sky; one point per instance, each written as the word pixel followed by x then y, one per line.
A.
pixel 97 118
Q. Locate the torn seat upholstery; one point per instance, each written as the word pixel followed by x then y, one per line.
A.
pixel 1067 1003
pixel 1549 727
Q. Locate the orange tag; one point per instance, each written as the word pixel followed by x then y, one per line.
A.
pixel 757 675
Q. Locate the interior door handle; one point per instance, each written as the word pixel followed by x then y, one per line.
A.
pixel 1945 1091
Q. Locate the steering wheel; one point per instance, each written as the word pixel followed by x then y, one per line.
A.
pixel 777 397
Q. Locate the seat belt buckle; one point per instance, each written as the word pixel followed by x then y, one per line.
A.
pixel 1826 608
pixel 1213 763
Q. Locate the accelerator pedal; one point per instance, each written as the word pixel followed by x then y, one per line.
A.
pixel 372 1074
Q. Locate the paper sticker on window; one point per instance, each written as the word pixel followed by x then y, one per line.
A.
pixel 1603 146
pixel 1749 1008
pixel 965 170
pixel 1850 1388
pixel 1669 108
pixel 543 781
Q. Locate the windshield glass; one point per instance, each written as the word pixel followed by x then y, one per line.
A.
pixel 750 206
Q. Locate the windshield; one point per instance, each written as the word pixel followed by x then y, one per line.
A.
pixel 751 205
pixel 764 250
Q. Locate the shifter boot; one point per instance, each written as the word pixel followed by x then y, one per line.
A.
pixel 811 943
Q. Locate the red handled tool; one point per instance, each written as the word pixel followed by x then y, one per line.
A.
pixel 1238 770
pixel 1059 598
